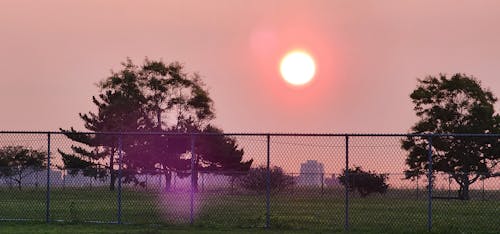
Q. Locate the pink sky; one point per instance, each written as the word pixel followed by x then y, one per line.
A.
pixel 368 54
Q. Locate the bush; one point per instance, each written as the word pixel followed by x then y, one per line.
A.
pixel 365 182
pixel 256 179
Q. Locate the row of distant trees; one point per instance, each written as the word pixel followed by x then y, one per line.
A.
pixel 157 97
pixel 18 162
pixel 356 179
pixel 24 162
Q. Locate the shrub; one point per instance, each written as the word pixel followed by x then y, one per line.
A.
pixel 365 182
pixel 256 179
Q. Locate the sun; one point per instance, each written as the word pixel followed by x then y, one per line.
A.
pixel 297 67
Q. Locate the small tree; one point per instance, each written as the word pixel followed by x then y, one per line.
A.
pixel 365 182
pixel 256 179
pixel 18 162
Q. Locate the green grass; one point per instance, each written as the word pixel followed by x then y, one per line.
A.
pixel 303 211
pixel 8 227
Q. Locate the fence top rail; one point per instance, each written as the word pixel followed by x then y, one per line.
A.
pixel 426 135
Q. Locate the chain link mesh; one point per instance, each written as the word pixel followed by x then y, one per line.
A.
pixel 288 181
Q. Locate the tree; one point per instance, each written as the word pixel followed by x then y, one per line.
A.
pixel 118 110
pixel 457 104
pixel 153 97
pixel 256 179
pixel 365 182
pixel 176 102
pixel 18 162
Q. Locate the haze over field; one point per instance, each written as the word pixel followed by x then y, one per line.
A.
pixel 368 55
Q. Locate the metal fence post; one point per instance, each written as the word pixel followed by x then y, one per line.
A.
pixel 120 162
pixel 268 183
pixel 322 183
pixel 482 189
pixel 346 226
pixel 429 178
pixel 417 186
pixel 193 181
pixel 47 201
pixel 449 186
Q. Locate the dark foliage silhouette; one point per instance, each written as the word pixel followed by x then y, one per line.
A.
pixel 256 179
pixel 456 104
pixel 153 97
pixel 18 162
pixel 365 182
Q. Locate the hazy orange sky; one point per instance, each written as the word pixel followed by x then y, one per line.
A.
pixel 368 54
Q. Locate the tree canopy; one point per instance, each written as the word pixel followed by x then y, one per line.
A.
pixel 456 104
pixel 154 97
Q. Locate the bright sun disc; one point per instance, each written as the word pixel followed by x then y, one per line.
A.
pixel 297 68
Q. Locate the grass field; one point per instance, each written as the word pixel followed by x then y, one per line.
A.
pixel 294 212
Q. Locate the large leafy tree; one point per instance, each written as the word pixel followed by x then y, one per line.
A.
pixel 456 104
pixel 175 102
pixel 153 97
pixel 118 110
pixel 18 162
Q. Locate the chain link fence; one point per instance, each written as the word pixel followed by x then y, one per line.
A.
pixel 290 181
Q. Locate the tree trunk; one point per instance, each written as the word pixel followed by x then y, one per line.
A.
pixel 463 192
pixel 233 178
pixel 194 174
pixel 20 180
pixel 158 118
pixel 112 181
pixel 194 181
pixel 168 180
pixel 111 170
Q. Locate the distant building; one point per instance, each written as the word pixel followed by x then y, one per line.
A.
pixel 311 173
